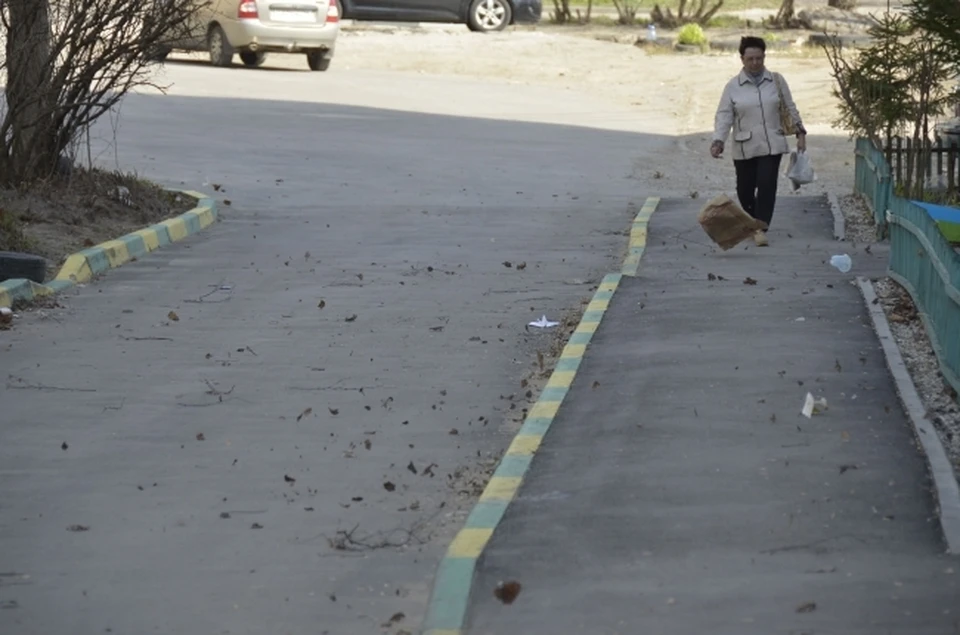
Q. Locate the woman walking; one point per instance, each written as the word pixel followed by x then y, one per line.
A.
pixel 758 105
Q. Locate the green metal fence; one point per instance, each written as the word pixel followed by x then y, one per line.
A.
pixel 921 258
pixel 873 180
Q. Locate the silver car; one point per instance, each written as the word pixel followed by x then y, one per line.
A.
pixel 254 28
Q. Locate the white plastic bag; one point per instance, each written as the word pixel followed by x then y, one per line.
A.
pixel 800 171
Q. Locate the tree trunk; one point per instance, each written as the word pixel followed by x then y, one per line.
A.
pixel 29 127
pixel 786 15
pixel 846 5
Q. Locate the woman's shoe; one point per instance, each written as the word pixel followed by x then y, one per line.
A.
pixel 761 239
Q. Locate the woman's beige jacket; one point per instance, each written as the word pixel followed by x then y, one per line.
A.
pixel 753 111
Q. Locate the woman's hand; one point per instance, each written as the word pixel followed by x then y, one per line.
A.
pixel 716 149
pixel 801 143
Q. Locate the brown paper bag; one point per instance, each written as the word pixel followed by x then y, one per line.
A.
pixel 726 223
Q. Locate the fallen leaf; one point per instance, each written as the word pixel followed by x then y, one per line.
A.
pixel 711 277
pixel 844 468
pixel 749 281
pixel 173 317
pixel 87 242
pixel 807 607
pixel 224 514
pixel 200 437
pixel 454 431
pixel 394 619
pixel 334 411
pixel 64 446
pixel 322 304
pixel 507 592
pixel 357 499
pixel 507 264
pixel 78 528
pixel 350 318
pixel 227 202
pixel 412 467
pixel 256 526
pixel 838 367
pixel 521 266
pixel 387 485
pixel 303 414
pixel 367 444
pixel 289 479
pixel 596 385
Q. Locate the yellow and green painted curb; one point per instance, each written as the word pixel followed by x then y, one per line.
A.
pixel 447 611
pixel 82 266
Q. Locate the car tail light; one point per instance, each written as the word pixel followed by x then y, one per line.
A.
pixel 333 12
pixel 248 9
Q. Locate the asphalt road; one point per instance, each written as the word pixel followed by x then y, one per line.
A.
pixel 191 475
pixel 680 490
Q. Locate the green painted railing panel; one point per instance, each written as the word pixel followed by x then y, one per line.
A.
pixel 872 175
pixel 921 257
pixel 925 263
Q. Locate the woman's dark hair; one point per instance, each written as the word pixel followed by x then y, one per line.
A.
pixel 751 42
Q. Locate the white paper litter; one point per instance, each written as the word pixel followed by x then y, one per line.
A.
pixel 543 323
pixel 813 406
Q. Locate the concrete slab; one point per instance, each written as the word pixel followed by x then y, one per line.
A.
pixel 683 492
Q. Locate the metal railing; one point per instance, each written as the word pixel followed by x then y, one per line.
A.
pixel 921 258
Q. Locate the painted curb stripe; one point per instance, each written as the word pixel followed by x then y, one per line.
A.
pixel 82 266
pixel 638 237
pixel 450 598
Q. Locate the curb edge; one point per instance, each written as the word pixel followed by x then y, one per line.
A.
pixel 82 266
pixel 453 582
pixel 839 224
pixel 941 471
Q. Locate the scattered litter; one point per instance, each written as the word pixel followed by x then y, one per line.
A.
pixel 807 607
pixel 813 406
pixel 543 323
pixel 226 287
pixel 122 194
pixel 78 528
pixel 801 319
pixel 844 263
pixel 6 316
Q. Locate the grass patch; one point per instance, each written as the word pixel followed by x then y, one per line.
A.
pixel 726 22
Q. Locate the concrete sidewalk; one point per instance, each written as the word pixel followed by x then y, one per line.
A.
pixel 679 491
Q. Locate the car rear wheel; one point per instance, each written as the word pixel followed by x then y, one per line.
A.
pixel 317 62
pixel 221 53
pixel 489 15
pixel 250 58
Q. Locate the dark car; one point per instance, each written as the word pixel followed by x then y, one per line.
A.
pixel 479 15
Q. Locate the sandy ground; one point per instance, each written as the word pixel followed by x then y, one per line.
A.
pixel 648 92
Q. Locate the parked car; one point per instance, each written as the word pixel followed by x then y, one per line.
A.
pixel 479 15
pixel 253 28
